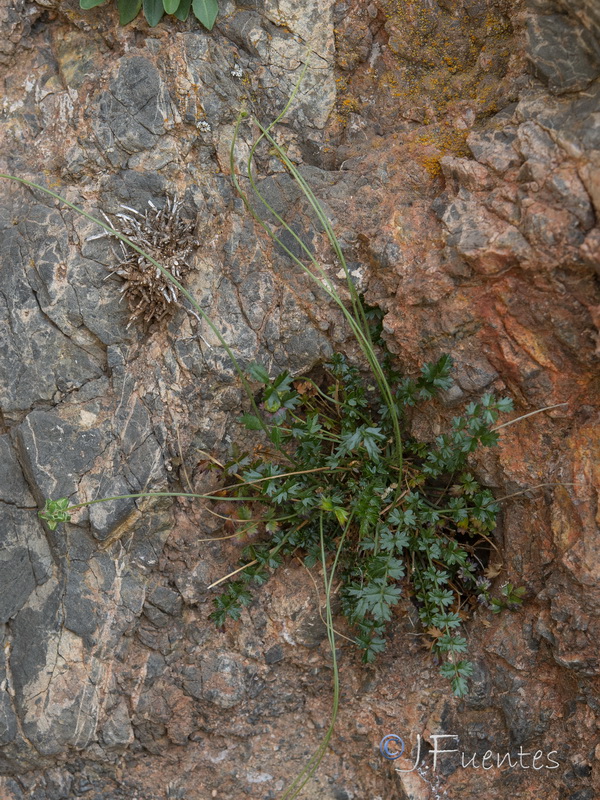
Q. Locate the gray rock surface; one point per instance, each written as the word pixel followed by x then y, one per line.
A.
pixel 565 55
pixel 466 193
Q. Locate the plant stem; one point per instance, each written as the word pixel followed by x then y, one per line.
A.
pixel 209 496
pixel 272 551
pixel 311 767
pixel 524 416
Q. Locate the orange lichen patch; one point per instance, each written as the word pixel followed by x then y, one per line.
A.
pixel 427 59
pixel 437 52
pixel 349 105
pixel 431 165
pixel 434 142
pixel 444 138
pixel 496 25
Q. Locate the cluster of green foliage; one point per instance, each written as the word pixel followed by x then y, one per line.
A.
pixel 332 485
pixel 204 10
pixel 339 480
pixel 345 478
pixel 420 529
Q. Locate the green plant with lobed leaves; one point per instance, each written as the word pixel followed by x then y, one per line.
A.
pixel 204 10
pixel 344 485
pixel 419 530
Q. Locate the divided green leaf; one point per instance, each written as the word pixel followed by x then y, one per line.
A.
pixel 426 541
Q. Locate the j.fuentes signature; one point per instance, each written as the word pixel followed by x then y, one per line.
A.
pixel 392 747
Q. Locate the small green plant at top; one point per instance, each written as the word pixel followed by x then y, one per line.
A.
pixel 204 10
pixel 55 512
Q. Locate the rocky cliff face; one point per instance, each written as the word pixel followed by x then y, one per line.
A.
pixel 456 146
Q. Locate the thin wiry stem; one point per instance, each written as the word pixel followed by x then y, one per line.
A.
pixel 356 320
pixel 312 765
pixel 524 416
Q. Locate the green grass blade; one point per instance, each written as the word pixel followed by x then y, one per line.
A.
pixel 326 224
pixel 139 495
pixel 356 321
